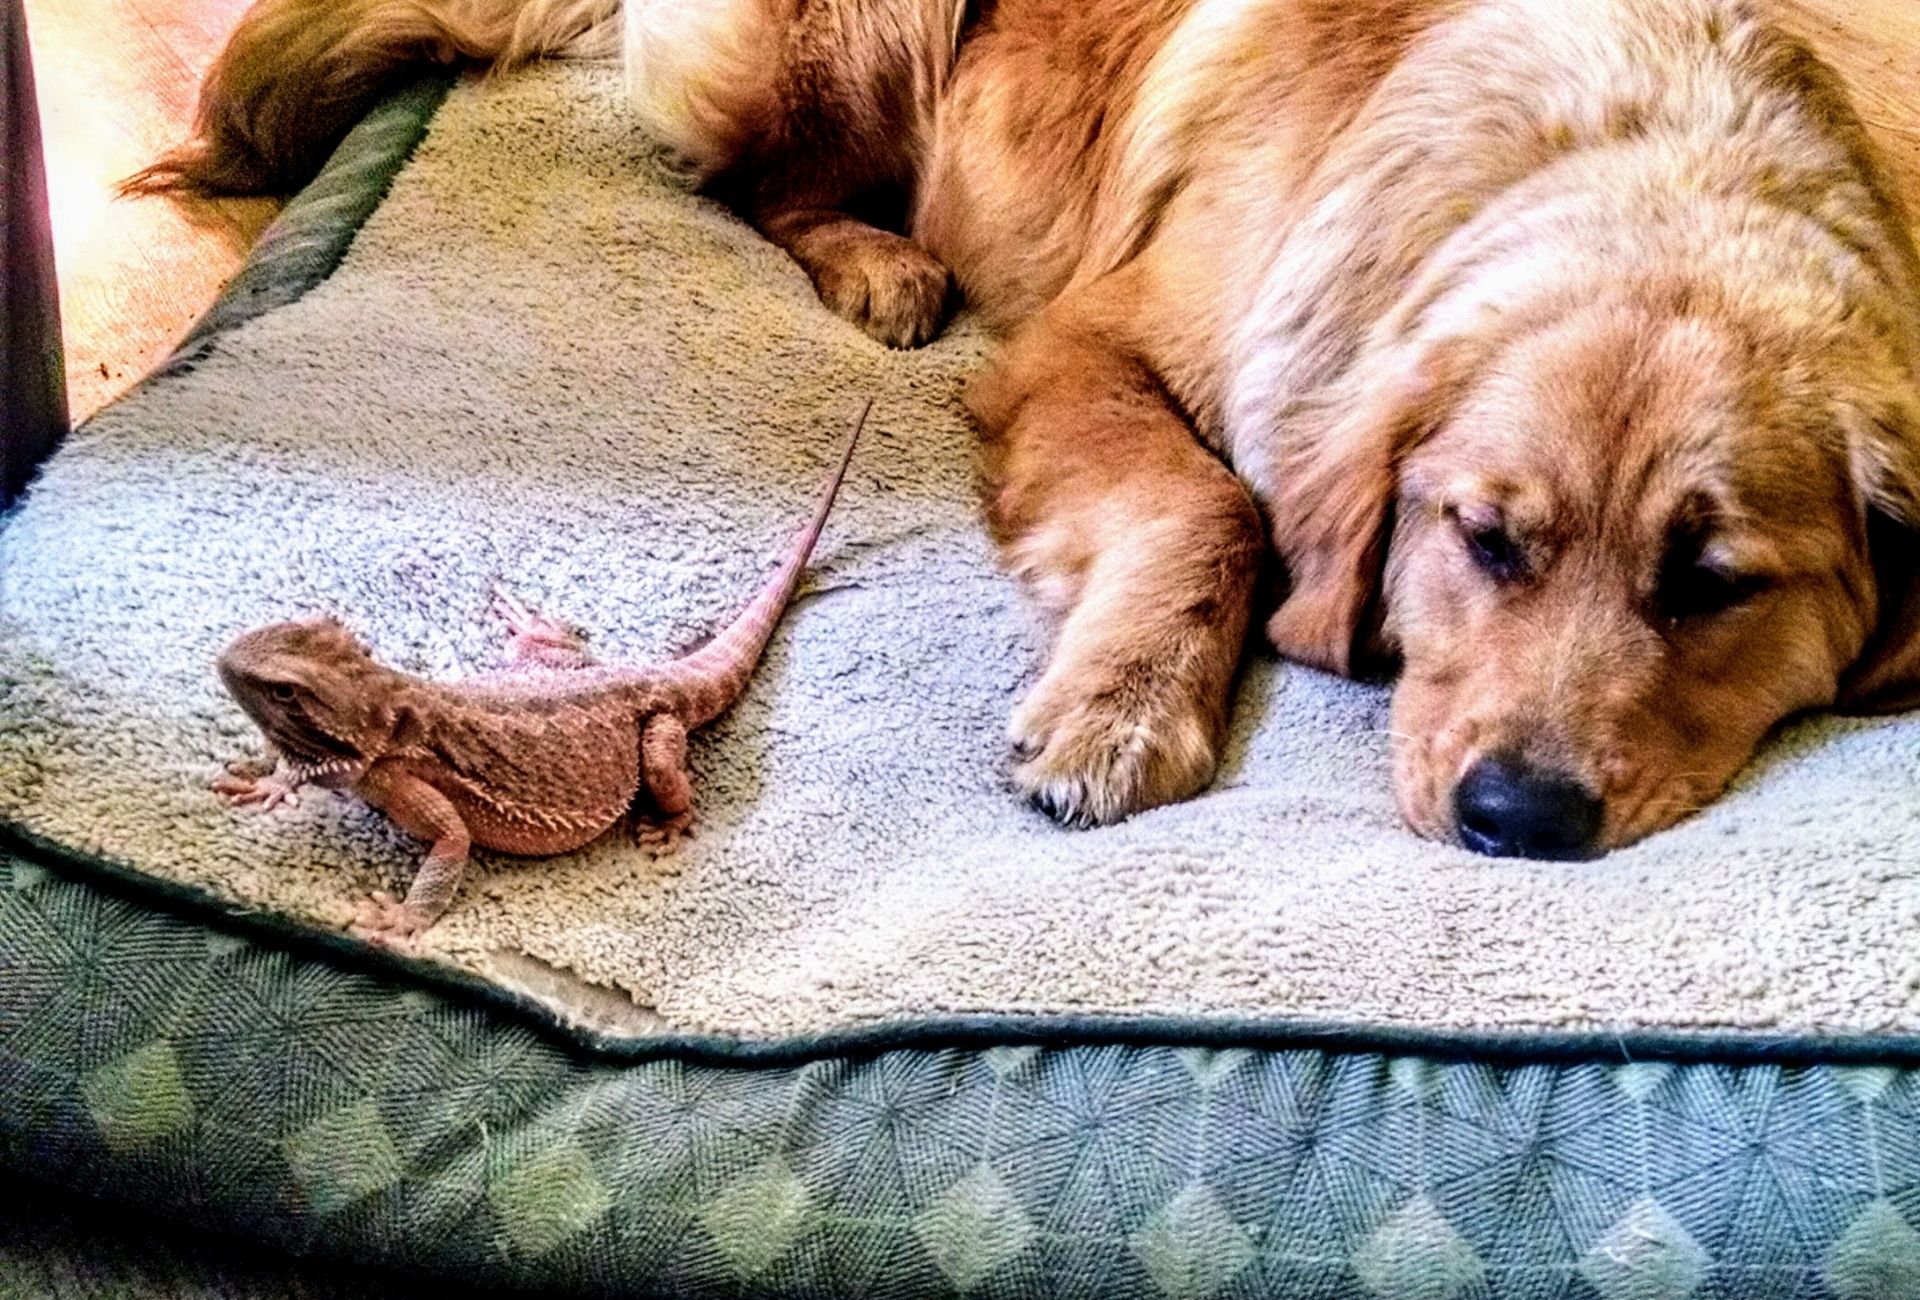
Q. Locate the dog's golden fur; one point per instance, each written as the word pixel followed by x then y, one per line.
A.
pixel 1567 350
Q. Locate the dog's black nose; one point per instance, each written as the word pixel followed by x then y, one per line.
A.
pixel 1505 808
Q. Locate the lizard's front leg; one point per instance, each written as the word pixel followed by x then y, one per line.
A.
pixel 268 781
pixel 663 774
pixel 418 809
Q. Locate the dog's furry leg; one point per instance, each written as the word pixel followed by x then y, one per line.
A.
pixel 791 112
pixel 885 283
pixel 296 74
pixel 797 115
pixel 1142 544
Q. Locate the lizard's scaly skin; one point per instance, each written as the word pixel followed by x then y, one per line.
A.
pixel 536 759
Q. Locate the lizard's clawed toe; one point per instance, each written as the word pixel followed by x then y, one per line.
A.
pixel 386 921
pixel 533 637
pixel 661 836
pixel 264 791
pixel 509 606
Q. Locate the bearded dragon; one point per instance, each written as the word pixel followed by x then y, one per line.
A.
pixel 535 759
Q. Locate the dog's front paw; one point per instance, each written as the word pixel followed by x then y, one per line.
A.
pixel 886 284
pixel 1094 748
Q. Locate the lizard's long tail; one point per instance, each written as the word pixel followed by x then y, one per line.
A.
pixel 713 676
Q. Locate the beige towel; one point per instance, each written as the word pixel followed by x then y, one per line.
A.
pixel 543 363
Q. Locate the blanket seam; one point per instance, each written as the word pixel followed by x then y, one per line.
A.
pixel 978 1032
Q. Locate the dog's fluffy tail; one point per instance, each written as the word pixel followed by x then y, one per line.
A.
pixel 297 74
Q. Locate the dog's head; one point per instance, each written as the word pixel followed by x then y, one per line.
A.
pixel 1613 543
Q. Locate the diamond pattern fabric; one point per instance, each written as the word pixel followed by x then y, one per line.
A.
pixel 220 1079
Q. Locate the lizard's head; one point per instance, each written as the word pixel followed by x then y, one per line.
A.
pixel 313 689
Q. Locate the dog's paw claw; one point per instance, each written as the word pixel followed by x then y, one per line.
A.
pixel 889 286
pixel 1094 757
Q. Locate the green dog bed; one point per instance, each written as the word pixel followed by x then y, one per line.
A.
pixel 878 1029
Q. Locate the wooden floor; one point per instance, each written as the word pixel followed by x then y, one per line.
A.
pixel 117 80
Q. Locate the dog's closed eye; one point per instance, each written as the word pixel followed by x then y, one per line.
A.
pixel 1698 582
pixel 1489 543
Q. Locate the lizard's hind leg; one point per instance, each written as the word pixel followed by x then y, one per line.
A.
pixel 533 639
pixel 665 789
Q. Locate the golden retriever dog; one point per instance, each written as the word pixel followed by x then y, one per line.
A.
pixel 1564 352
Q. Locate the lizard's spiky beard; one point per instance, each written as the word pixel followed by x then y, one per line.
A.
pixel 305 739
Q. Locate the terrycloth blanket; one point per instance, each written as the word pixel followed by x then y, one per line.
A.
pixel 544 364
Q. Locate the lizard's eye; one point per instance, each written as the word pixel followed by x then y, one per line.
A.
pixel 282 691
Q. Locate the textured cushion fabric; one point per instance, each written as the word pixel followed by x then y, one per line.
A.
pixel 55 1245
pixel 543 363
pixel 321 1109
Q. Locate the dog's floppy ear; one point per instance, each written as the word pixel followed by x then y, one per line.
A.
pixel 1331 509
pixel 1885 451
